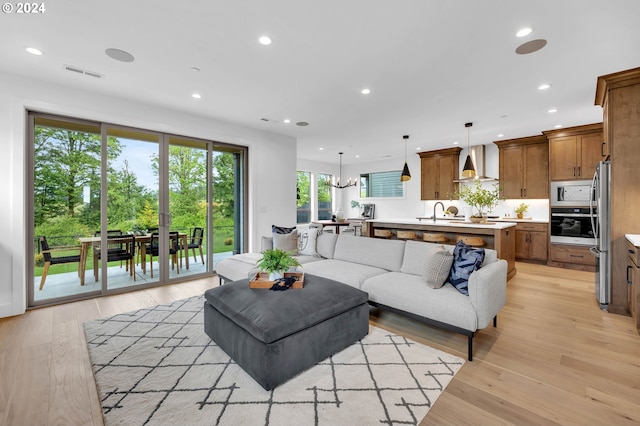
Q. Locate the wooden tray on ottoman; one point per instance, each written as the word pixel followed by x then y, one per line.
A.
pixel 261 280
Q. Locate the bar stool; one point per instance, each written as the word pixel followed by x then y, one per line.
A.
pixel 471 240
pixel 431 237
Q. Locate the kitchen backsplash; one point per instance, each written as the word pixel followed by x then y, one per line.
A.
pixel 538 209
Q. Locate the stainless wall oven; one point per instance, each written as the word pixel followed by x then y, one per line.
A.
pixel 572 225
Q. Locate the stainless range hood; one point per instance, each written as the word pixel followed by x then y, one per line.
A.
pixel 479 158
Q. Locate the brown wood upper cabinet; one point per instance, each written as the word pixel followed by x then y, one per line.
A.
pixel 438 170
pixel 574 152
pixel 524 167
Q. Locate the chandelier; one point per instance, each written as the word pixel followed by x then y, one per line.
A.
pixel 337 184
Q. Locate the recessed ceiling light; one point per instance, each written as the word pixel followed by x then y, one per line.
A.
pixel 500 135
pixel 544 86
pixel 456 142
pixel 418 148
pixel 557 126
pixel 365 91
pixel 320 149
pixel 265 40
pixel 287 121
pixel 552 110
pixel 524 32
pixel 357 156
pixel 531 46
pixel 196 96
pixel 34 51
pixel 302 123
pixel 119 55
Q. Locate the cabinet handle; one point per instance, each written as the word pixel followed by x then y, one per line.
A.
pixel 579 171
pixel 525 192
pixel 576 255
pixel 629 280
pixel 574 171
pixel 602 149
pixel 631 251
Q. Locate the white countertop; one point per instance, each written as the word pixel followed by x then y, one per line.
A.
pixel 515 219
pixel 495 219
pixel 633 239
pixel 444 222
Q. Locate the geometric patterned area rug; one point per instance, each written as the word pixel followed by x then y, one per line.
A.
pixel 156 366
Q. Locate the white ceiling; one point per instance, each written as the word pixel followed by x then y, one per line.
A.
pixel 431 65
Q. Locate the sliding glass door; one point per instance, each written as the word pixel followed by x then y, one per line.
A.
pixel 132 210
pixel 116 208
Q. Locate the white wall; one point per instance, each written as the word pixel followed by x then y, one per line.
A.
pixel 272 164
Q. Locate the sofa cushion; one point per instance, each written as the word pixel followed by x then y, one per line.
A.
pixel 266 243
pixel 286 242
pixel 376 252
pixel 352 274
pixel 409 293
pixel 466 259
pixel 437 266
pixel 326 244
pixel 415 253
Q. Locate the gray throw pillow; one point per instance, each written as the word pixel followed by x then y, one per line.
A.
pixel 286 242
pixel 437 266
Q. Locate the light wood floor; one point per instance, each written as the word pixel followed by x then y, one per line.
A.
pixel 554 358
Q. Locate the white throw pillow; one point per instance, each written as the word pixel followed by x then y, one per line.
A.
pixel 307 241
pixel 437 266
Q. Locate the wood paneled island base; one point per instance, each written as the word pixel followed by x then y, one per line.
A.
pixel 500 236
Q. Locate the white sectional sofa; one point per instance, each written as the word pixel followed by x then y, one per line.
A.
pixel 391 272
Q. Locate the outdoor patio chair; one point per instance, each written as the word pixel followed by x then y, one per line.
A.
pixel 119 247
pixel 113 247
pixel 153 249
pixel 55 260
pixel 196 243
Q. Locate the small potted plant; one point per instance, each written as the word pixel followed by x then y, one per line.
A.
pixel 521 210
pixel 482 200
pixel 276 262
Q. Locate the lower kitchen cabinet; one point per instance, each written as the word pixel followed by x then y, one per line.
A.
pixel 571 257
pixel 531 241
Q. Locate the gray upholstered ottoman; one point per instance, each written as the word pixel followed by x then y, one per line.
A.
pixel 274 335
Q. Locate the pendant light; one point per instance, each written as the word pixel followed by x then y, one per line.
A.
pixel 468 170
pixel 405 176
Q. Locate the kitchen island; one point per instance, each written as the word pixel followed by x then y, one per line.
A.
pixel 499 235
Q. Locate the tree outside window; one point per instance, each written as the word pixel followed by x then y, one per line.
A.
pixel 303 196
pixel 324 197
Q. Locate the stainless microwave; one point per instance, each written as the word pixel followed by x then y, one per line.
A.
pixel 571 193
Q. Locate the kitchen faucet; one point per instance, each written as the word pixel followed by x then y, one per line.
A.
pixel 434 209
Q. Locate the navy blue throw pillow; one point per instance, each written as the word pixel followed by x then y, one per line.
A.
pixel 466 259
pixel 282 229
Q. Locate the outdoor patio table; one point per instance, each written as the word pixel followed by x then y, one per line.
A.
pixel 141 241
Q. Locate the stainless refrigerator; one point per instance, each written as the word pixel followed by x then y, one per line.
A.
pixel 600 208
